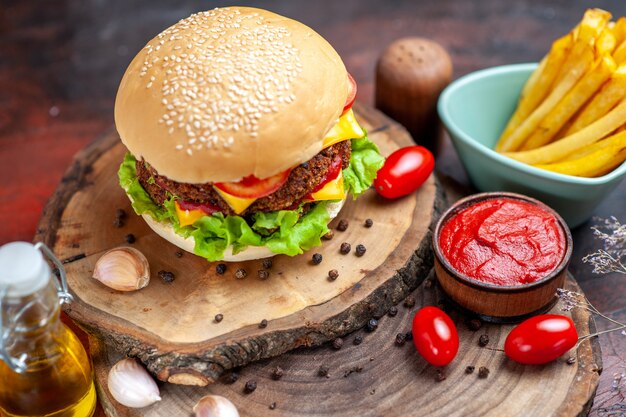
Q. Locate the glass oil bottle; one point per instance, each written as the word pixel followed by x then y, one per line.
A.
pixel 44 369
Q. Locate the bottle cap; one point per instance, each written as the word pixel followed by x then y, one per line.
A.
pixel 23 270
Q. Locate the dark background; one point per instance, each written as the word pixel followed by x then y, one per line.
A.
pixel 61 62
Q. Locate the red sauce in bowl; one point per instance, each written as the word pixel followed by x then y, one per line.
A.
pixel 503 241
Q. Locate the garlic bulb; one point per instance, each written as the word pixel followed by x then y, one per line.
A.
pixel 215 406
pixel 131 385
pixel 123 269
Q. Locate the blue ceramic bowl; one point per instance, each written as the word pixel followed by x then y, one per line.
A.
pixel 475 110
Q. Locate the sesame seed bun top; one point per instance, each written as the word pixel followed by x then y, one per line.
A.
pixel 228 93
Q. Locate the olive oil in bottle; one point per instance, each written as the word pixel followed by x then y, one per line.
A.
pixel 44 369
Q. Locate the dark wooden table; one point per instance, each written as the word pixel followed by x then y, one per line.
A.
pixel 61 62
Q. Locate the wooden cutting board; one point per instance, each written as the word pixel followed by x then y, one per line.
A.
pixel 161 324
pixel 171 328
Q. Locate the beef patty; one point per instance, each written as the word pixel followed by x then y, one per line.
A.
pixel 302 180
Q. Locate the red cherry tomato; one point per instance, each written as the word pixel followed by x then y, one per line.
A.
pixel 541 339
pixel 351 94
pixel 253 187
pixel 435 336
pixel 404 171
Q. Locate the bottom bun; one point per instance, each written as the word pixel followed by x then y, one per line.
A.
pixel 251 252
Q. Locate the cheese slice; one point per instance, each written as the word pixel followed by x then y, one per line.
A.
pixel 346 128
pixel 187 217
pixel 238 204
pixel 332 190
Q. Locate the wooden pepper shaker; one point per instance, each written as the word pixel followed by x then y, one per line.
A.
pixel 410 75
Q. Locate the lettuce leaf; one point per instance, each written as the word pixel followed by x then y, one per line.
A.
pixel 365 161
pixel 288 232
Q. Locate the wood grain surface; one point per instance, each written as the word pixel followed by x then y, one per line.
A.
pixel 171 326
pixel 61 62
pixel 381 378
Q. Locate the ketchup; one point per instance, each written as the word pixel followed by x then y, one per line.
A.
pixel 503 241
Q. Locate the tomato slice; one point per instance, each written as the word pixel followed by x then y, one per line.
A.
pixel 351 94
pixel 253 187
pixel 191 206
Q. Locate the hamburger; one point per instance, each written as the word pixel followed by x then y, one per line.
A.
pixel 241 139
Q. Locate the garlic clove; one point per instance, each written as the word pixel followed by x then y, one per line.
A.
pixel 131 385
pixel 215 406
pixel 123 269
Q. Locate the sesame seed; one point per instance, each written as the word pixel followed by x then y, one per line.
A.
pixel 251 56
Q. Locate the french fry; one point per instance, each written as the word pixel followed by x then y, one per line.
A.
pixel 538 85
pixel 581 64
pixel 619 55
pixel 619 30
pixel 606 42
pixel 609 95
pixel 571 103
pixel 604 159
pixel 616 138
pixel 584 137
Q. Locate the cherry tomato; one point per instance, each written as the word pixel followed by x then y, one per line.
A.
pixel 404 171
pixel 541 339
pixel 253 187
pixel 435 336
pixel 351 94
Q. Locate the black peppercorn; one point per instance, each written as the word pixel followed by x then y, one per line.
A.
pixel 178 254
pixel 317 258
pixel 358 339
pixel 166 276
pixel 342 226
pixel 130 238
pixel 483 340
pixel 323 371
pixel 571 360
pixel 262 274
pixel 393 311
pixel 272 406
pixel 345 248
pixel 220 269
pixel 474 324
pixel 329 235
pixel 267 263
pixel 277 373
pixel 369 223
pixel 469 369
pixel 338 343
pixel 440 376
pixel 400 339
pixel 250 386
pixel 333 274
pixel 409 302
pixel 240 273
pixel 263 324
pixel 371 325
pixel 360 249
pixel 483 372
pixel 120 213
pixel 219 317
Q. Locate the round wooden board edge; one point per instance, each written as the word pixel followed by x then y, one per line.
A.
pixel 172 364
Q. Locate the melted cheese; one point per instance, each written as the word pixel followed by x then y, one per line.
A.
pixel 346 128
pixel 332 190
pixel 238 204
pixel 187 217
